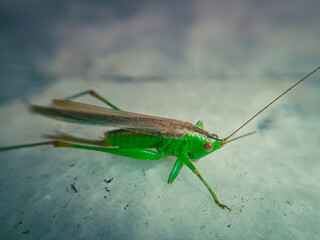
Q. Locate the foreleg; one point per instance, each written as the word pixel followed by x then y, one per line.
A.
pixel 195 171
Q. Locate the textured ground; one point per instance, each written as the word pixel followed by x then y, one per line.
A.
pixel 270 179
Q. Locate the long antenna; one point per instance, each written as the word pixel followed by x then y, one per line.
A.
pixel 242 136
pixel 225 139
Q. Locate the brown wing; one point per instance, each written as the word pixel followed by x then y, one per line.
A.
pixel 93 115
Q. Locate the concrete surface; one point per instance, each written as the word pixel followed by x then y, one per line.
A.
pixel 270 179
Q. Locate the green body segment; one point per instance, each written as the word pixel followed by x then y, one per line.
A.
pixel 129 139
pixel 192 143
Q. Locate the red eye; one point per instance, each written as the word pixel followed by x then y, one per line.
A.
pixel 208 146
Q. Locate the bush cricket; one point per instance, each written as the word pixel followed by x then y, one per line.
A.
pixel 139 136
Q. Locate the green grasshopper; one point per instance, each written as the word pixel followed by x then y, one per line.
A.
pixel 138 135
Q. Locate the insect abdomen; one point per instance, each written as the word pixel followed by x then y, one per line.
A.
pixel 125 138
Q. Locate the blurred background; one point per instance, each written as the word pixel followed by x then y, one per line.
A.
pixel 42 41
pixel 215 61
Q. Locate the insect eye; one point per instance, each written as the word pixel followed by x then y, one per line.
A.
pixel 208 146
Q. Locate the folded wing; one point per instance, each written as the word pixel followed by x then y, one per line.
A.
pixel 93 115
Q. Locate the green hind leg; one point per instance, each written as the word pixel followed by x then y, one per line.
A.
pixel 93 94
pixel 137 153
